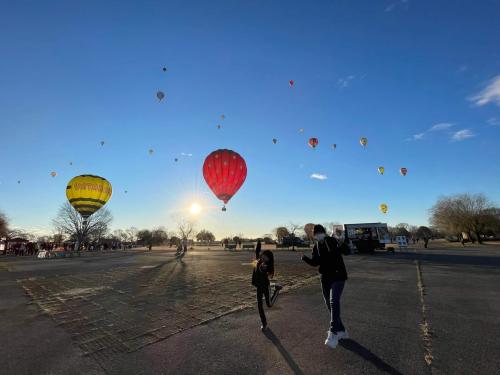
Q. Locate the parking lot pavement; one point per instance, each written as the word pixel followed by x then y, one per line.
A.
pixel 153 313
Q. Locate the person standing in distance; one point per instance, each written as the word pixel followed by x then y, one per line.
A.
pixel 327 255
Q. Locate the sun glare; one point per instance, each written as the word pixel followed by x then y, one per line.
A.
pixel 195 208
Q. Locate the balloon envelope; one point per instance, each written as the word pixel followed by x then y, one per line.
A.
pixel 381 170
pixel 53 174
pixel 160 95
pixel 291 82
pixel 403 171
pixel 275 140
pixel 88 193
pixel 363 141
pixel 383 207
pixel 313 142
pixel 224 172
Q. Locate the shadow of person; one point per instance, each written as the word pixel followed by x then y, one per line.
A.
pixel 286 356
pixel 367 355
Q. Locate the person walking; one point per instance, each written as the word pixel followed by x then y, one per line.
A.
pixel 263 271
pixel 327 255
pixel 258 248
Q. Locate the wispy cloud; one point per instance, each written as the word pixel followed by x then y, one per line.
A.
pixel 490 94
pixel 318 176
pixel 392 6
pixel 434 128
pixel 462 135
pixel 185 154
pixel 493 121
pixel 345 81
pixel 440 126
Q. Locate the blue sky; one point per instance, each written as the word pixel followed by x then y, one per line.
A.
pixel 75 73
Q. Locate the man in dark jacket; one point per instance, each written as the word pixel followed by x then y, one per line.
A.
pixel 327 255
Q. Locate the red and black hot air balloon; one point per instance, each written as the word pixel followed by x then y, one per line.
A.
pixel 313 142
pixel 224 171
pixel 291 83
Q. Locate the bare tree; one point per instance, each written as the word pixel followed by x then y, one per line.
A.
pixel 132 233
pixel 70 222
pixel 470 213
pixel 185 229
pixel 3 225
pixel 293 230
pixel 280 233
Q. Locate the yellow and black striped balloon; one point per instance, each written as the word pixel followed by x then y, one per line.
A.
pixel 87 193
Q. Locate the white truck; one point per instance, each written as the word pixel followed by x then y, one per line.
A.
pixel 367 237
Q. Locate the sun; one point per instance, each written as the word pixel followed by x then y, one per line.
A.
pixel 195 208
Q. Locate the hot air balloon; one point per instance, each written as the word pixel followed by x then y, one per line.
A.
pixel 275 140
pixel 18 181
pixel 70 163
pixel 363 141
pixel 126 191
pixel 151 151
pixel 222 117
pixel 313 142
pixel 334 146
pixel 383 207
pixel 403 171
pixel 164 68
pixel 301 130
pixel 308 230
pixel 102 143
pixel 88 193
pixel 53 174
pixel 218 126
pixel 176 160
pixel 291 82
pixel 160 95
pixel 381 170
pixel 224 171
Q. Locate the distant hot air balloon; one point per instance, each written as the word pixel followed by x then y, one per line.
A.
pixel 291 82
pixel 160 95
pixel 313 142
pixel 18 181
pixel 53 174
pixel 176 160
pixel 102 143
pixel 381 170
pixel 88 193
pixel 403 171
pixel 363 141
pixel 383 207
pixel 301 130
pixel 70 163
pixel 164 68
pixel 224 171
pixel 308 230
pixel 222 117
pixel 275 140
pixel 334 146
pixel 126 191
pixel 218 126
pixel 151 151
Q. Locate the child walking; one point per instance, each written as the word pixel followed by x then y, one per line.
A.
pixel 263 271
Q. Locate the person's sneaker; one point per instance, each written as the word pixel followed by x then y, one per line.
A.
pixel 263 327
pixel 331 341
pixel 342 335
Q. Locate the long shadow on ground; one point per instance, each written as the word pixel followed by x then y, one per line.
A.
pixel 367 355
pixel 286 356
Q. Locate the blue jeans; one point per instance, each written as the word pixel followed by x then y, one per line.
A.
pixel 332 291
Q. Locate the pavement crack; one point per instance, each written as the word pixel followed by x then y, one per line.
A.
pixel 425 326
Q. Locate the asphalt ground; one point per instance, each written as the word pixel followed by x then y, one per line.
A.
pixel 421 311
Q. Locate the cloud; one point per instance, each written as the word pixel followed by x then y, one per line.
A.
pixel 392 6
pixel 493 121
pixel 440 126
pixel 345 81
pixel 462 135
pixel 318 176
pixel 434 128
pixel 490 94
pixel 185 154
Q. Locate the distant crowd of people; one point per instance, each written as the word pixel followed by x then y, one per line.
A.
pixel 24 248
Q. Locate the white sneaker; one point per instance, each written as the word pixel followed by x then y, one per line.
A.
pixel 342 335
pixel 331 341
